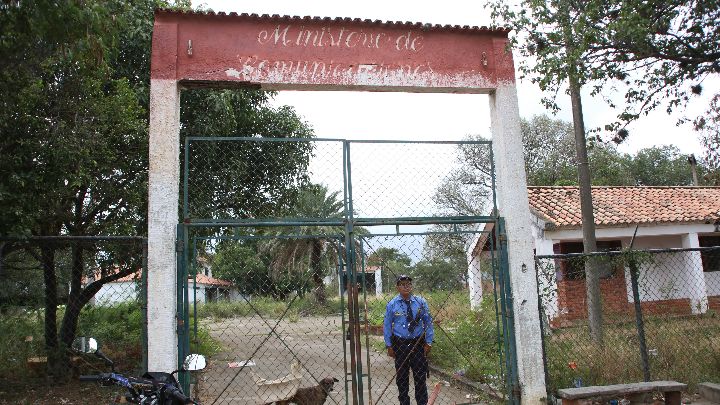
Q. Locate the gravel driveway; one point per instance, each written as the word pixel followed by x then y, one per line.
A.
pixel 316 343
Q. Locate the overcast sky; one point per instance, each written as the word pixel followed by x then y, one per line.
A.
pixel 362 115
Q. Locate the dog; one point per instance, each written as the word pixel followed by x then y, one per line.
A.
pixel 311 395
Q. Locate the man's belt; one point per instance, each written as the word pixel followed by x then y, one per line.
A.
pixel 399 340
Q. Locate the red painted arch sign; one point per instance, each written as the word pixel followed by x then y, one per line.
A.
pixel 327 54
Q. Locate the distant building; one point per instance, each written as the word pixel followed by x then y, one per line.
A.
pixel 206 289
pixel 668 217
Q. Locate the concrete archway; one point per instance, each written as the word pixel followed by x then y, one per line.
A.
pixel 293 53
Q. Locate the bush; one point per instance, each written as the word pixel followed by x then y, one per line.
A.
pixel 270 308
pixel 22 338
pixel 684 349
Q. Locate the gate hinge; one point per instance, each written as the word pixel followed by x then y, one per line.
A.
pixel 517 392
pixel 502 237
pixel 179 246
pixel 180 324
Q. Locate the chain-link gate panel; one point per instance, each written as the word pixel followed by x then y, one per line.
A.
pixel 467 344
pixel 285 273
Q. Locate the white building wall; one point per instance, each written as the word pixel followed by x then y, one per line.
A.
pixel 116 292
pixel 694 278
pixel 661 279
pixel 378 282
pixel 474 280
pixel 199 295
pixel 668 276
pixel 547 274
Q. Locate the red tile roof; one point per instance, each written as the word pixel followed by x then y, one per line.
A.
pixel 299 19
pixel 203 279
pixel 622 206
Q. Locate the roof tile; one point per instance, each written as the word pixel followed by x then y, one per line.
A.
pixel 621 206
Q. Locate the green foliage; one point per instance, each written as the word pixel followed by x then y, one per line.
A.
pixel 295 249
pixel 240 262
pixel 74 84
pixel 668 339
pixel 661 166
pixel 119 326
pixel 549 148
pixel 652 49
pixel 709 127
pixel 21 339
pixel 438 275
pixel 248 179
pixel 549 151
pixel 269 308
pixel 465 340
pixel 392 262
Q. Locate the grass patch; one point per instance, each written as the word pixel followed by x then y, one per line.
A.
pixel 118 328
pixel 685 349
pixel 268 307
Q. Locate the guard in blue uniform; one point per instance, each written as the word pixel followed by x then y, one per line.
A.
pixel 408 331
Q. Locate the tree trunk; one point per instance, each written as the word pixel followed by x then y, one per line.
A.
pixel 315 265
pixel 75 304
pixel 56 353
pixel 592 268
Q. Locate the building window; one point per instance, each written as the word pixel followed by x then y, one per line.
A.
pixel 574 268
pixel 710 258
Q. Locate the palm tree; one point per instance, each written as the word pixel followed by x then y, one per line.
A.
pixel 294 254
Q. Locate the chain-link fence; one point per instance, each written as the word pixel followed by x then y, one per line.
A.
pixel 294 319
pixel 57 288
pixel 296 245
pixel 659 317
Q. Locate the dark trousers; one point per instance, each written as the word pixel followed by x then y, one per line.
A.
pixel 410 355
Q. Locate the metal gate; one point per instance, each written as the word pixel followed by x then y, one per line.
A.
pixel 289 251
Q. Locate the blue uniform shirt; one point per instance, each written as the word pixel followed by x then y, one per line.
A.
pixel 396 319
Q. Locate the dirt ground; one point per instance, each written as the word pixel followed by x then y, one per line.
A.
pixel 37 392
pixel 319 346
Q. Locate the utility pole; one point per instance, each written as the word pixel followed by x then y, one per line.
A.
pixel 693 167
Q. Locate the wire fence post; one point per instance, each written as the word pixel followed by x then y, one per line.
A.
pixel 634 272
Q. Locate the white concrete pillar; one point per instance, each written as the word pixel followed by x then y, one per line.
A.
pixel 475 275
pixel 514 208
pixel 378 282
pixel 694 277
pixel 163 192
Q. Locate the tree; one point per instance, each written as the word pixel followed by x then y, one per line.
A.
pixel 392 262
pixel 74 85
pixel 438 275
pixel 648 50
pixel 662 43
pixel 661 166
pixel 74 142
pixel 250 179
pixel 548 146
pixel 309 246
pixel 709 127
pixel 467 190
pixel 241 262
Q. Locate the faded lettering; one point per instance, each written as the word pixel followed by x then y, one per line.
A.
pixel 301 36
pixel 257 69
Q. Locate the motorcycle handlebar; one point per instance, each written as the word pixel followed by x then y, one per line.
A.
pixel 91 378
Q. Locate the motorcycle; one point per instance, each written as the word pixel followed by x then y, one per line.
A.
pixel 153 388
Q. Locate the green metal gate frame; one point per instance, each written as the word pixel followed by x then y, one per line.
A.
pixel 502 291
